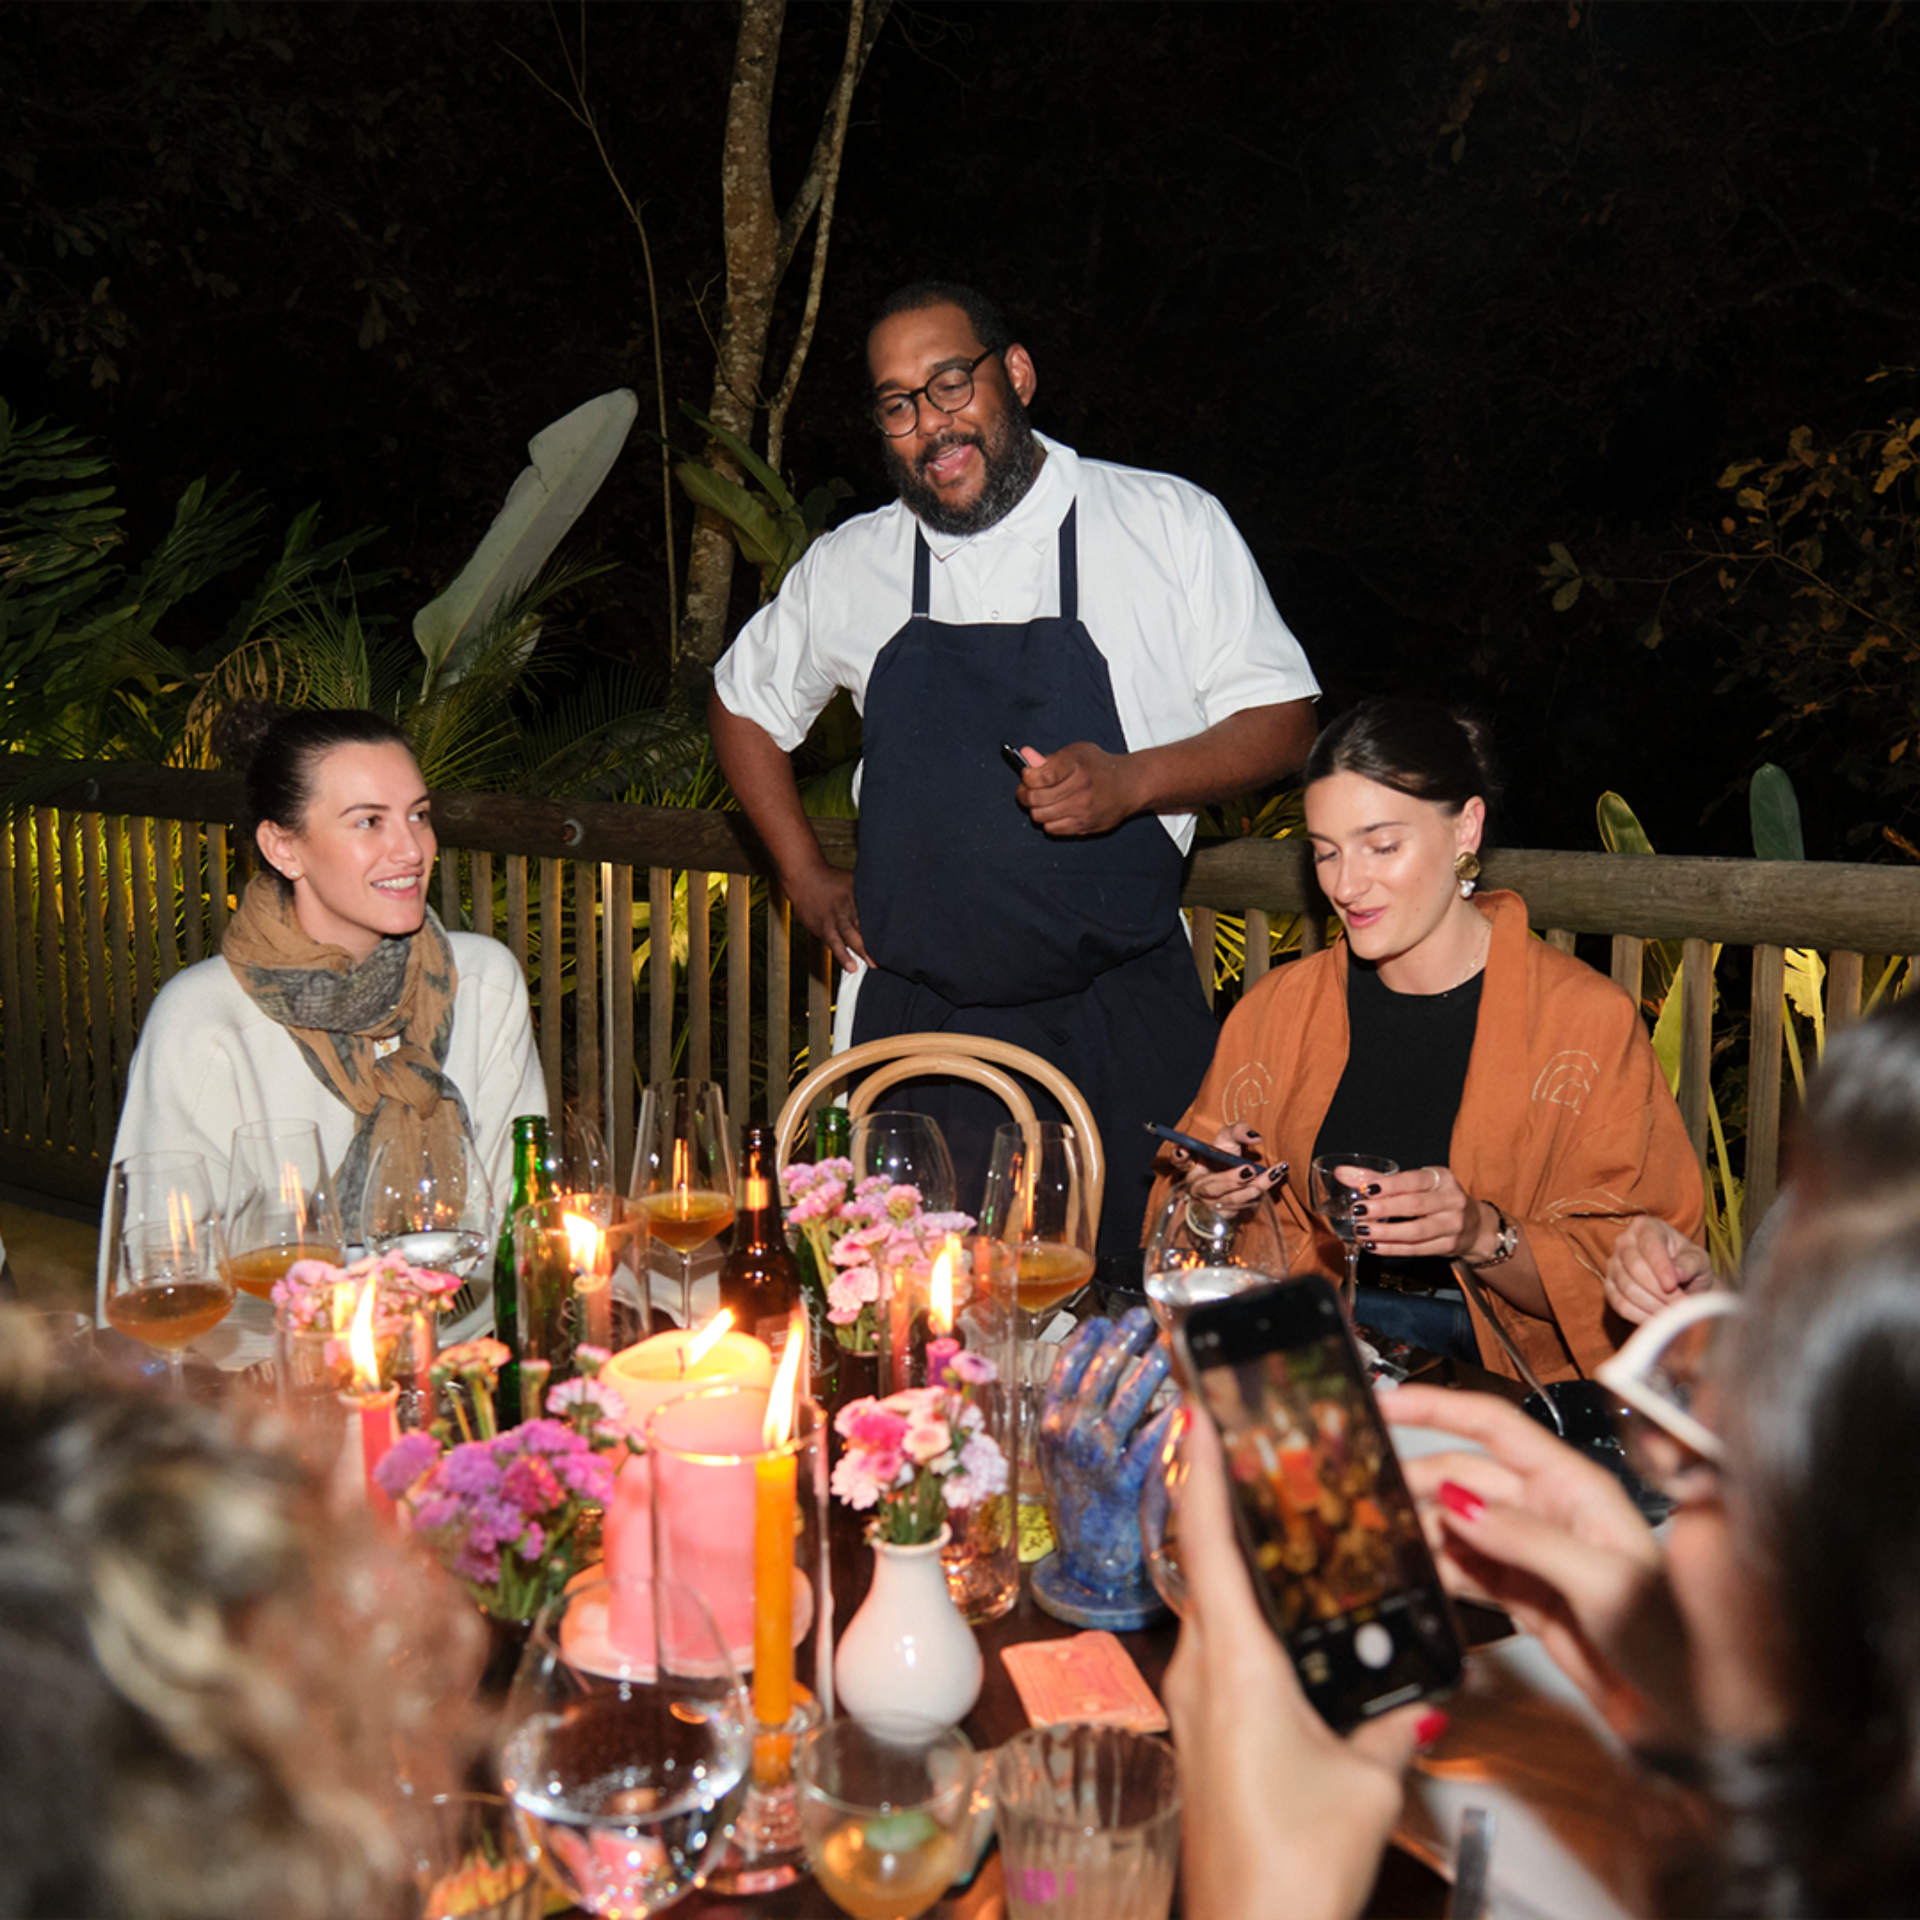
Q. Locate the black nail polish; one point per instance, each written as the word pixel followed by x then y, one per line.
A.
pixel 1359 1210
pixel 1375 1188
pixel 1246 1173
pixel 1251 1135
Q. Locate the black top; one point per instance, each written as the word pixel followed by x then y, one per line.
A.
pixel 1406 1066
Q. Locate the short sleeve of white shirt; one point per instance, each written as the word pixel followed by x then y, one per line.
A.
pixel 1167 590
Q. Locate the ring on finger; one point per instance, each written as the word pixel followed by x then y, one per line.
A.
pixel 1435 1188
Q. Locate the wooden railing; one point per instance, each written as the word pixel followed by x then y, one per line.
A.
pixel 123 875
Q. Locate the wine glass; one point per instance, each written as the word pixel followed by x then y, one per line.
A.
pixel 683 1171
pixel 280 1205
pixel 626 1770
pixel 164 1285
pixel 1198 1252
pixel 882 1802
pixel 909 1150
pixel 1333 1201
pixel 1040 1202
pixel 430 1203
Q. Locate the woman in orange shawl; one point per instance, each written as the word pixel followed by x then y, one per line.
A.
pixel 1515 1087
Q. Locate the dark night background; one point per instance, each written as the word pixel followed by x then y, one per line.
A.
pixel 1416 287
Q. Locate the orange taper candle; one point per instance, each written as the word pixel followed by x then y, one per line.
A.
pixel 775 1478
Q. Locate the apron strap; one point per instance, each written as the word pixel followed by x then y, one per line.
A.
pixel 1069 570
pixel 922 574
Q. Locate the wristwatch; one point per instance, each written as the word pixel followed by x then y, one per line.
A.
pixel 1503 1246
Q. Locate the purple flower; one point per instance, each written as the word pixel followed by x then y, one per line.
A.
pixel 407 1459
pixel 975 1369
pixel 470 1468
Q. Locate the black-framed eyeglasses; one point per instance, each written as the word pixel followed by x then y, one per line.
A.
pixel 950 389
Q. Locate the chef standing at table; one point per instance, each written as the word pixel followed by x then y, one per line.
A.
pixel 1107 623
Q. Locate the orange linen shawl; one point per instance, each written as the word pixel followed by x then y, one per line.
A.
pixel 1565 1122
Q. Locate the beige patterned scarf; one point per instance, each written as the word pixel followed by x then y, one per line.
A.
pixel 375 1033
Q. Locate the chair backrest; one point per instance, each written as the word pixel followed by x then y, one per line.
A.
pixel 964 1056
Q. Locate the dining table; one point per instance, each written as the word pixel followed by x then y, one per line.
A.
pixel 1522 1744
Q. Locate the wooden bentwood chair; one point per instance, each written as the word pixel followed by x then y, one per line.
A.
pixel 963 1056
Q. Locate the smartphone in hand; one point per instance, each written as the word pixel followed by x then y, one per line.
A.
pixel 1327 1525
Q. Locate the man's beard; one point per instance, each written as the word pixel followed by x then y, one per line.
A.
pixel 1010 455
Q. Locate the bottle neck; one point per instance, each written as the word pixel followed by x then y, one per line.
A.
pixel 758 1200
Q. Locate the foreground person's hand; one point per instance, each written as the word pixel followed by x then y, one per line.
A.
pixel 1534 1527
pixel 1283 1819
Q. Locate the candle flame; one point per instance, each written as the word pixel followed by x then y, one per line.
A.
pixel 940 1292
pixel 785 1394
pixel 706 1339
pixel 583 1242
pixel 366 1368
pixel 682 1172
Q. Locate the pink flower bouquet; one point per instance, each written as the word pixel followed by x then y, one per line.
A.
pixel 848 1229
pixel 912 1456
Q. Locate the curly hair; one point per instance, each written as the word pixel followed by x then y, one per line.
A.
pixel 212 1683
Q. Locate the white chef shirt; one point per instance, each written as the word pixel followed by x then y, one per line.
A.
pixel 1168 592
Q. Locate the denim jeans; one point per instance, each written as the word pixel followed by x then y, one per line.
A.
pixel 1432 1321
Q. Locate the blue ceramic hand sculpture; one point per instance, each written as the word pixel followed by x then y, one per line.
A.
pixel 1094 1454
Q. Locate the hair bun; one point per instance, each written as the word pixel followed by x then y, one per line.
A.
pixel 239 728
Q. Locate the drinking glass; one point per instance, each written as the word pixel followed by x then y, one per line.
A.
pixel 280 1205
pixel 470 1862
pixel 626 1770
pixel 1089 1821
pixel 432 1205
pixel 1038 1201
pixel 910 1150
pixel 1197 1252
pixel 883 1800
pixel 164 1285
pixel 1333 1201
pixel 683 1179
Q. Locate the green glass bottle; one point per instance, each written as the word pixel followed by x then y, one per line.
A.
pixel 532 1180
pixel 832 1133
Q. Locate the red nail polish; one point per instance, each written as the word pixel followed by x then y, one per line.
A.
pixel 1431 1727
pixel 1461 1500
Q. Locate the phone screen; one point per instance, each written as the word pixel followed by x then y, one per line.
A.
pixel 1329 1528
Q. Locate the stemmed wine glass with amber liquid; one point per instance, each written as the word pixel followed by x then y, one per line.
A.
pixel 1039 1202
pixel 683 1176
pixel 280 1205
pixel 164 1284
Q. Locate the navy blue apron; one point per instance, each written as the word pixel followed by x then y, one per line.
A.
pixel 980 922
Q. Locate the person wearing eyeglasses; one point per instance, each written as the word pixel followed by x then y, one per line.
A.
pixel 1106 625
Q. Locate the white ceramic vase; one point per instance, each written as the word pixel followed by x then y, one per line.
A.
pixel 908 1650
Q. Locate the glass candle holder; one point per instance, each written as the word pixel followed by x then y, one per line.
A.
pixel 315 1369
pixel 566 1251
pixel 976 1305
pixel 741 1517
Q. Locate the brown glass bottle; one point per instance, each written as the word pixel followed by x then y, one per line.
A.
pixel 760 1280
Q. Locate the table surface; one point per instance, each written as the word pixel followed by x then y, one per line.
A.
pixel 1406 1888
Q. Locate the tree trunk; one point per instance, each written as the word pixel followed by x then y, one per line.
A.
pixel 752 233
pixel 760 245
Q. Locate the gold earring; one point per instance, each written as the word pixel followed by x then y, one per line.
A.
pixel 1466 869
